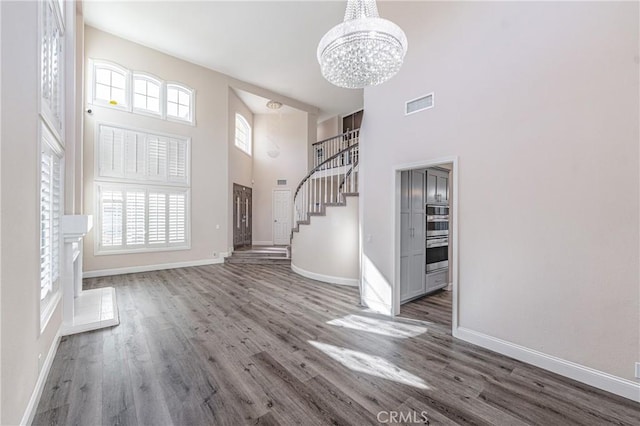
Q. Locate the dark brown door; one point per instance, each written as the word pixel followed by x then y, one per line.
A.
pixel 241 216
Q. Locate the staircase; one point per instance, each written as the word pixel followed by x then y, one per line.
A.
pixel 325 236
pixel 260 255
pixel 333 178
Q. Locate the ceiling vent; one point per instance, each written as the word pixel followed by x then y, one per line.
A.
pixel 418 104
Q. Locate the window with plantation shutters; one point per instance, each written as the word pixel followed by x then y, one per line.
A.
pixel 138 218
pixel 143 190
pixel 51 62
pixel 50 52
pixel 132 155
pixel 50 214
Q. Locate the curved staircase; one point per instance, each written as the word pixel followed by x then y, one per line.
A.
pixel 329 251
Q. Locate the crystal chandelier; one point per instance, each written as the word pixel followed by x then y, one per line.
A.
pixel 364 50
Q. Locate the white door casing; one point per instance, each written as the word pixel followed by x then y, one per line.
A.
pixel 281 216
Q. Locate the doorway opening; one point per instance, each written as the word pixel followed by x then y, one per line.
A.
pixel 426 242
pixel 242 216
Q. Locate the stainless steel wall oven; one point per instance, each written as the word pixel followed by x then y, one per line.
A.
pixel 437 242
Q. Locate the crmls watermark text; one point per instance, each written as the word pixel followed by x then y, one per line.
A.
pixel 400 417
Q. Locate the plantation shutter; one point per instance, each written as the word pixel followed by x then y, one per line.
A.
pixel 177 218
pixel 136 214
pixel 111 214
pixel 134 154
pixel 46 178
pixel 111 152
pixel 177 160
pixel 50 212
pixel 157 218
pixel 157 157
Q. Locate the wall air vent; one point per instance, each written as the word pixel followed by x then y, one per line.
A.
pixel 418 104
pixel 282 181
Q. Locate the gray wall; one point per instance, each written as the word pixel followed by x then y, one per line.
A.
pixel 539 101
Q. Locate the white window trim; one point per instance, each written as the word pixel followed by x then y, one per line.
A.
pixel 93 63
pixel 141 184
pixel 192 105
pixel 102 251
pixel 250 136
pixel 162 94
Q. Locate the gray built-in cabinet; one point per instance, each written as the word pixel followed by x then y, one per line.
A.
pixel 412 235
pixel 418 188
pixel 437 186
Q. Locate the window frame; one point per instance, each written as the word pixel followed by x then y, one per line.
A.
pixel 100 250
pixel 192 102
pixel 245 122
pixel 135 75
pixel 94 64
pixel 133 182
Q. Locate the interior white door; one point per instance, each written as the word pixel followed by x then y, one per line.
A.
pixel 281 216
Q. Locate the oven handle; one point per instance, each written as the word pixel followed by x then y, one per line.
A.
pixel 437 220
pixel 435 244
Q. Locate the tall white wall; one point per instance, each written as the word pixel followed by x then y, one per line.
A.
pixel 287 134
pixel 328 248
pixel 539 101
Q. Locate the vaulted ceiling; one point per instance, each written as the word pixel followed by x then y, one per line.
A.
pixel 271 44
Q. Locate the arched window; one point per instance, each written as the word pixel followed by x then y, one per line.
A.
pixel 180 102
pixel 146 94
pixel 110 85
pixel 243 134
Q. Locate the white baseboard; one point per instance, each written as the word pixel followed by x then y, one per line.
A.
pixel 32 406
pixel 352 282
pixel 262 243
pixel 147 268
pixel 599 379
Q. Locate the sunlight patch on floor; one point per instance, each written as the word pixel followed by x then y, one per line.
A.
pixel 370 364
pixel 379 326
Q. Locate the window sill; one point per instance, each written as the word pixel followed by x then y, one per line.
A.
pixel 107 252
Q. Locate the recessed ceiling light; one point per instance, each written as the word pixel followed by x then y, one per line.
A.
pixel 274 104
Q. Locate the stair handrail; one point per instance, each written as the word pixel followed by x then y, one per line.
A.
pixel 319 166
pixel 354 131
pixel 330 146
pixel 317 190
pixel 348 174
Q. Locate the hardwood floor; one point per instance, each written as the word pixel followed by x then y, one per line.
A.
pixel 255 344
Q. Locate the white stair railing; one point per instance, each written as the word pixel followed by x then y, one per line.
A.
pixel 327 148
pixel 329 181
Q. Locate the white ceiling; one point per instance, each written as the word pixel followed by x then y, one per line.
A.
pixel 271 44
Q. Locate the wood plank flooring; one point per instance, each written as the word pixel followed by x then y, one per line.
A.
pixel 260 345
